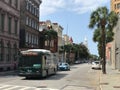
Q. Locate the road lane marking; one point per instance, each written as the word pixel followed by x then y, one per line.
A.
pixel 13 87
pixel 25 88
pixel 5 86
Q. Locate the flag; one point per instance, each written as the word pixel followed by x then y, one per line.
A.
pixel 71 40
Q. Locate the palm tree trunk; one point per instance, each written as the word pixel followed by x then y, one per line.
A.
pixel 103 49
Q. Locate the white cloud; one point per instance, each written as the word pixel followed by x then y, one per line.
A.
pixel 50 6
pixel 83 6
pixel 78 6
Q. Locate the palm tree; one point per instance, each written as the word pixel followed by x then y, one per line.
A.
pixel 104 21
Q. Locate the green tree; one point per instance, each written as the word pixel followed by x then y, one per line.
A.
pixel 79 50
pixel 68 49
pixel 83 51
pixel 104 21
pixel 49 36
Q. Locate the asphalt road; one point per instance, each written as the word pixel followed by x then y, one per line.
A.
pixel 80 77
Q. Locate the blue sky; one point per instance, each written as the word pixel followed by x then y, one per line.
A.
pixel 73 16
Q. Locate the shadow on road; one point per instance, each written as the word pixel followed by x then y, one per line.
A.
pixel 50 77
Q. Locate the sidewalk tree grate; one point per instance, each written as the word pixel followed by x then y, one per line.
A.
pixel 116 86
pixel 104 83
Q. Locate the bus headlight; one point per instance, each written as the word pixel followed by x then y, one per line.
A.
pixel 38 71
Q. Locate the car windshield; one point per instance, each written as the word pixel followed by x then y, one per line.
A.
pixel 66 64
pixel 97 62
pixel 63 64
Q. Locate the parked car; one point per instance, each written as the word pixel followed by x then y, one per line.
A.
pixel 96 65
pixel 77 62
pixel 63 66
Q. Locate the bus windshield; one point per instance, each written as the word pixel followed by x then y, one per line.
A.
pixel 30 61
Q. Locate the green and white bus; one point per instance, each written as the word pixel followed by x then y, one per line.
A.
pixel 36 63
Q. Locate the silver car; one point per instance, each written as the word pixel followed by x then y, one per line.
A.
pixel 96 65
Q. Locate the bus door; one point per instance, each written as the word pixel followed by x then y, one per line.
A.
pixel 48 61
pixel 44 62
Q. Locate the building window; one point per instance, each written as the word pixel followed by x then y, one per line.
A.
pixel 118 5
pixel 37 41
pixel 37 27
pixel 9 25
pixel 15 52
pixel 16 3
pixel 33 39
pixel 27 20
pixel 27 4
pixel 16 26
pixel 52 43
pixel 27 38
pixel 115 6
pixel 8 51
pixel 2 22
pixel 10 2
pixel 32 8
pixel 32 23
pixel 1 50
pixel 37 12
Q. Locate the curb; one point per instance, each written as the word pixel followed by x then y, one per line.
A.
pixel 8 73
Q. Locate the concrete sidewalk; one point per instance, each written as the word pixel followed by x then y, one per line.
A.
pixel 110 80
